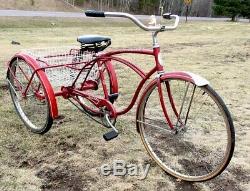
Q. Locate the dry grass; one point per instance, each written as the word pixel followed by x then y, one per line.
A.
pixel 36 5
pixel 71 154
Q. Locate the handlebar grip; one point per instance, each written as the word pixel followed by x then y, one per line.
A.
pixel 167 16
pixel 93 13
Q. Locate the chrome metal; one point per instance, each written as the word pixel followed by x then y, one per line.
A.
pixel 190 103
pixel 176 23
pixel 159 74
pixel 134 19
pixel 154 37
pixel 82 110
pixel 183 101
pixel 198 80
pixel 160 128
pixel 11 86
pixel 110 124
pixel 141 25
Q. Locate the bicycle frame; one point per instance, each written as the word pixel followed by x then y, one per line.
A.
pixel 107 58
pixel 157 68
pixel 71 92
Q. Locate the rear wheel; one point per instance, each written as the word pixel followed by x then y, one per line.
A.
pixel 33 106
pixel 202 142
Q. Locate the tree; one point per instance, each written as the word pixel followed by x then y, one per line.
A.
pixel 245 10
pixel 32 2
pixel 231 8
pixel 188 3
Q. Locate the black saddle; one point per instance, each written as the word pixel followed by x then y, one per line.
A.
pixel 94 43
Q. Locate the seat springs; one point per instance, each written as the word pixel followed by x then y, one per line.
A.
pixel 96 47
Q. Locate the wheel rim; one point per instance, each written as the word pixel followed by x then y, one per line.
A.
pixel 187 155
pixel 33 108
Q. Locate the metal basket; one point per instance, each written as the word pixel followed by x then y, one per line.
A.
pixel 63 65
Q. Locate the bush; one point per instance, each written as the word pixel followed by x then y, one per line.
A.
pixel 232 8
pixel 245 10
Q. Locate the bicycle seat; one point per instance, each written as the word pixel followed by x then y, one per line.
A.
pixel 92 39
pixel 94 43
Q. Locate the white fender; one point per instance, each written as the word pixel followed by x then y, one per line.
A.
pixel 198 80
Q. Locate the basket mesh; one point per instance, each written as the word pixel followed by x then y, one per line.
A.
pixel 72 59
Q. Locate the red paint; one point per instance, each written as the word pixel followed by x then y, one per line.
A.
pixel 163 105
pixel 44 80
pixel 106 60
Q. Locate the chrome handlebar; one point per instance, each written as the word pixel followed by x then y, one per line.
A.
pixel 156 28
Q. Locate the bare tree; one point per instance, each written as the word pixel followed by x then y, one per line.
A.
pixel 180 7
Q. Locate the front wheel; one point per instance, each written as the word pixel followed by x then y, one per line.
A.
pixel 197 141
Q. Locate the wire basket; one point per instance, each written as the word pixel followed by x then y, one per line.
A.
pixel 63 64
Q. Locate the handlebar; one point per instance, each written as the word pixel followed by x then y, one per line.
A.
pixel 93 13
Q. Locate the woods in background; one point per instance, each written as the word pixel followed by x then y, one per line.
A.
pixel 197 8
pixel 232 8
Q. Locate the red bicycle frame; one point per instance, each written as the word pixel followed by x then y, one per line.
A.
pixel 158 68
pixel 112 56
pixel 106 59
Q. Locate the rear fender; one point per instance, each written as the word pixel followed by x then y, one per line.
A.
pixel 113 78
pixel 44 80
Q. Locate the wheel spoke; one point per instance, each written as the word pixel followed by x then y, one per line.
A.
pixel 158 127
pixel 32 109
pixel 203 142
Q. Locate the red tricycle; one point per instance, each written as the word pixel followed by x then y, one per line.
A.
pixel 184 124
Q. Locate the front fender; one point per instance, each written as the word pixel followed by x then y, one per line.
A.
pixel 187 76
pixel 194 78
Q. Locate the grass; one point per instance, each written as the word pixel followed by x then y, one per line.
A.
pixel 72 152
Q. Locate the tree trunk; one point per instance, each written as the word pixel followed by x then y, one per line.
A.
pixel 187 13
pixel 234 18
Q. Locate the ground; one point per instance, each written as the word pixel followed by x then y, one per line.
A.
pixel 70 155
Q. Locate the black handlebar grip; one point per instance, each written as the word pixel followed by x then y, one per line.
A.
pixel 167 16
pixel 93 13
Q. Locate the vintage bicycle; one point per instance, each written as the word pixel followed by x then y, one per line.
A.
pixel 184 124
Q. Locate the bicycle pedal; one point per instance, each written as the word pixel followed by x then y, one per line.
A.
pixel 113 97
pixel 110 135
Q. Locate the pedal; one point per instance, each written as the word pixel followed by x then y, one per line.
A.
pixel 113 97
pixel 110 135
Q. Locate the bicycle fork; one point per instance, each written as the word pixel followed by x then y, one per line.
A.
pixel 172 126
pixel 164 109
pixel 173 105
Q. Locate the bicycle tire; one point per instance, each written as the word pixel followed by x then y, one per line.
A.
pixel 179 161
pixel 37 115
